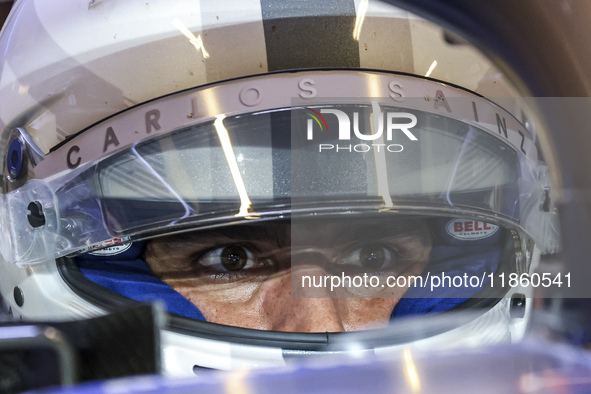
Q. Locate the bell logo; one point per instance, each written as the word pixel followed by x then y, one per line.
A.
pixel 467 229
pixel 393 122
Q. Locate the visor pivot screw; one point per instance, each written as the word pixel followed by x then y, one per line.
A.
pixel 14 159
pixel 517 310
pixel 36 217
pixel 19 297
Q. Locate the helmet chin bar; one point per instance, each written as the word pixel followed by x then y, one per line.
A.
pixel 185 356
pixel 191 345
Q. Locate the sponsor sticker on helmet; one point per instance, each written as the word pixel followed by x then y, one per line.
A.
pixel 468 229
pixel 106 250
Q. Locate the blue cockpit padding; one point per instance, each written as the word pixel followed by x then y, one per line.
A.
pixel 455 258
pixel 475 261
pixel 132 277
pixel 128 275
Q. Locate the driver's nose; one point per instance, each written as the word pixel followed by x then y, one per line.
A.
pixel 283 312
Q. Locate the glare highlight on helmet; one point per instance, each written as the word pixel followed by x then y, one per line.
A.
pixel 232 164
pixel 197 42
pixel 360 18
pixel 431 68
pixel 410 370
pixel 235 382
pixel 380 160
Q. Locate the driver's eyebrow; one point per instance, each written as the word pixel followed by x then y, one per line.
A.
pixel 347 231
pixel 277 233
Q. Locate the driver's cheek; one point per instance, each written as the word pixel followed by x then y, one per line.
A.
pixel 269 305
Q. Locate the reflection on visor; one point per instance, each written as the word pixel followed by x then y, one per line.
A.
pixel 185 176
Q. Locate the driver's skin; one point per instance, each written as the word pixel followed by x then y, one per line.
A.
pixel 243 275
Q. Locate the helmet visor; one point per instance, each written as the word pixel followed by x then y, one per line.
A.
pixel 340 156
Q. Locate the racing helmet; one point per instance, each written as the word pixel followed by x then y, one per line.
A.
pixel 274 173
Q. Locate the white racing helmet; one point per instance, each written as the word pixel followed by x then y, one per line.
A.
pixel 274 173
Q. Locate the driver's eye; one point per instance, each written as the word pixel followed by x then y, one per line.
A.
pixel 228 258
pixel 371 256
pixel 233 258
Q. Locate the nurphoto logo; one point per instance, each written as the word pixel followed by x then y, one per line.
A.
pixel 381 125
